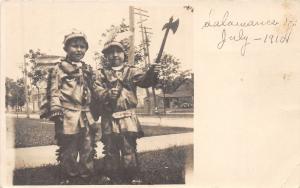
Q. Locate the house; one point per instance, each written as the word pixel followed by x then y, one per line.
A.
pixel 181 98
pixel 37 93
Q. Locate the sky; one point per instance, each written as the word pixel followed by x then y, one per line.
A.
pixel 43 25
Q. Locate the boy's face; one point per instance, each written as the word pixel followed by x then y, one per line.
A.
pixel 76 49
pixel 115 56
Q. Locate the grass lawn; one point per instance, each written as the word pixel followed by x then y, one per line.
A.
pixel 35 132
pixel 157 167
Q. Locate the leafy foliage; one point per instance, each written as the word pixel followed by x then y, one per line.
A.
pixel 189 8
pixel 170 76
pixel 14 92
pixel 36 72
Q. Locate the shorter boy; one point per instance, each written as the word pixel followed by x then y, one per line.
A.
pixel 115 87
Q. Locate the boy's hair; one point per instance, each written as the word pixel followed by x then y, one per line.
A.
pixel 105 52
pixel 110 44
pixel 72 39
pixel 72 36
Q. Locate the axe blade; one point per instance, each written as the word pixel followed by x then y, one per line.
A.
pixel 174 26
pixel 165 26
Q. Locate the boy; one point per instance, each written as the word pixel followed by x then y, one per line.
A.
pixel 69 96
pixel 115 88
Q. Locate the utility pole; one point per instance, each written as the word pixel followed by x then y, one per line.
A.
pixel 143 13
pixel 145 61
pixel 18 105
pixel 131 43
pixel 22 70
pixel 26 89
pixel 145 42
pixel 148 55
pixel 131 37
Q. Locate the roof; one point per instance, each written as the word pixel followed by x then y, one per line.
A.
pixel 186 89
pixel 187 85
pixel 48 60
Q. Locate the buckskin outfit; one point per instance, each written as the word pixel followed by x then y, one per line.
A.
pixel 69 96
pixel 119 123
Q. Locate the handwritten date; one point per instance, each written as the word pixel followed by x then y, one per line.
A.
pixel 244 39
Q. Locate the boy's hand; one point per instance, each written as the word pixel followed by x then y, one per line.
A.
pixel 156 67
pixel 114 93
pixel 57 119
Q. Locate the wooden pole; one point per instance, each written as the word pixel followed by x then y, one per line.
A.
pixel 131 37
pixel 17 105
pixel 26 89
pixel 148 55
pixel 145 60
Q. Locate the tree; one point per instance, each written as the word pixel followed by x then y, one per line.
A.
pixel 170 76
pixel 15 92
pixel 169 71
pixel 8 85
pixel 36 73
pixel 189 8
pixel 178 80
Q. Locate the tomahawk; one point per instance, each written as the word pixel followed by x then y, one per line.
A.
pixel 173 25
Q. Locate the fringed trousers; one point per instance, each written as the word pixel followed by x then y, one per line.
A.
pixel 70 147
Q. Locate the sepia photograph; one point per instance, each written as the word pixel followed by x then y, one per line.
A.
pixel 97 92
pixel 182 93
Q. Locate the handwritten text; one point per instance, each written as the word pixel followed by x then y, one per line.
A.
pixel 242 37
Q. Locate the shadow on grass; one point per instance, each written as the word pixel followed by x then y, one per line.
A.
pixel 35 132
pixel 166 166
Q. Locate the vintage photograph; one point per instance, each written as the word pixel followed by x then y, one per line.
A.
pixel 98 92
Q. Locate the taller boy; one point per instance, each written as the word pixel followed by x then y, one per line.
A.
pixel 115 87
pixel 70 97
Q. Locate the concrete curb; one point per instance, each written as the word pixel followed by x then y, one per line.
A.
pixel 147 120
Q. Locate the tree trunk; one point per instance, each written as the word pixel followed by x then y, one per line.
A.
pixel 164 99
pixel 39 103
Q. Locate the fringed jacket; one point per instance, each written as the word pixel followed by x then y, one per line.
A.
pixel 69 95
pixel 118 116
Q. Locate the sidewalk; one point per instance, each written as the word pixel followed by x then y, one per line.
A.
pixel 186 122
pixel 44 155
